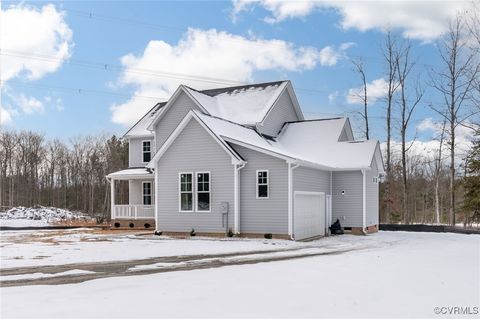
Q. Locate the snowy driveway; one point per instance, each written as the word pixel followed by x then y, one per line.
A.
pixel 72 256
pixel 388 275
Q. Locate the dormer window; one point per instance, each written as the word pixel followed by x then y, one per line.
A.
pixel 146 151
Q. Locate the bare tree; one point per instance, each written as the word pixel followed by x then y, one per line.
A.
pixel 437 172
pixel 455 81
pixel 390 55
pixel 407 107
pixel 360 69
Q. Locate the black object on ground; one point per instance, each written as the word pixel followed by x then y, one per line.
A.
pixel 336 228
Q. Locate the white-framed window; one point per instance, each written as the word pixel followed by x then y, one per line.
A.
pixel 185 187
pixel 375 180
pixel 147 193
pixel 203 197
pixel 262 184
pixel 146 151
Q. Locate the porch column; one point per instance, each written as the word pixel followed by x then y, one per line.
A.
pixel 112 198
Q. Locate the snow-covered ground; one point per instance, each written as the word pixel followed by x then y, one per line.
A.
pixel 50 247
pixel 390 275
pixel 40 216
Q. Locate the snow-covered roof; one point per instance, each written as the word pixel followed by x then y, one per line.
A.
pixel 132 173
pixel 140 129
pixel 317 140
pixel 246 105
pixel 314 141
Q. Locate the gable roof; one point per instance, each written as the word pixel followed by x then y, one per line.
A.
pixel 304 141
pixel 246 105
pixel 140 129
pixel 317 140
pixel 193 115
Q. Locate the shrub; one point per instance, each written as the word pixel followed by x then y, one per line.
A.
pixel 230 233
pixel 192 232
pixel 268 236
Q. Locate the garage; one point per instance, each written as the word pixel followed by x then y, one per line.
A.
pixel 309 214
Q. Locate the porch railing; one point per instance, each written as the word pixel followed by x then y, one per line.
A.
pixel 133 211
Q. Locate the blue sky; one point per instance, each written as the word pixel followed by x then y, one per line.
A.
pixel 89 88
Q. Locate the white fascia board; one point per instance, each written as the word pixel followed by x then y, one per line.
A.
pixel 191 115
pixel 129 177
pixel 294 99
pixel 129 137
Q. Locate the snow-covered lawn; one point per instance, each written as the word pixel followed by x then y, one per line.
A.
pixel 50 247
pixel 395 275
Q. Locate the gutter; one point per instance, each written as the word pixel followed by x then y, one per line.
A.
pixel 290 197
pixel 364 201
pixel 236 194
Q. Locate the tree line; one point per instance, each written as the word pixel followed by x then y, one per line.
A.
pixel 37 171
pixel 421 187
pixel 438 187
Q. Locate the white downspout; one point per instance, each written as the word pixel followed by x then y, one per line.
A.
pixel 155 198
pixel 364 201
pixel 290 197
pixel 236 195
pixel 112 197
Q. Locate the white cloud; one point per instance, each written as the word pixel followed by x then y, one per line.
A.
pixel 424 20
pixel 215 55
pixel 5 116
pixel 375 90
pixel 40 32
pixel 428 149
pixel 28 105
pixel 55 103
pixel 332 97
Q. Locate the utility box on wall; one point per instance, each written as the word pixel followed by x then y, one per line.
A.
pixel 224 207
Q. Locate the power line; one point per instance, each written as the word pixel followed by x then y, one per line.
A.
pixel 81 91
pixel 111 66
pixel 260 42
pixel 141 71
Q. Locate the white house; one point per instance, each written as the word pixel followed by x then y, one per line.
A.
pixel 244 159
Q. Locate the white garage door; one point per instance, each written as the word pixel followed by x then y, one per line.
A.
pixel 308 215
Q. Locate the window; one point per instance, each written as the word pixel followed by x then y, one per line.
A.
pixel 146 151
pixel 203 192
pixel 186 192
pixel 375 180
pixel 147 193
pixel 262 184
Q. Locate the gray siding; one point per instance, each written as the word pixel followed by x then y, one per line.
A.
pixel 263 215
pixel 282 111
pixel 350 204
pixel 346 134
pixel 135 191
pixel 372 196
pixel 135 154
pixel 343 136
pixel 311 180
pixel 174 115
pixel 194 150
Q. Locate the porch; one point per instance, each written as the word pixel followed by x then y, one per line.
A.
pixel 141 202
